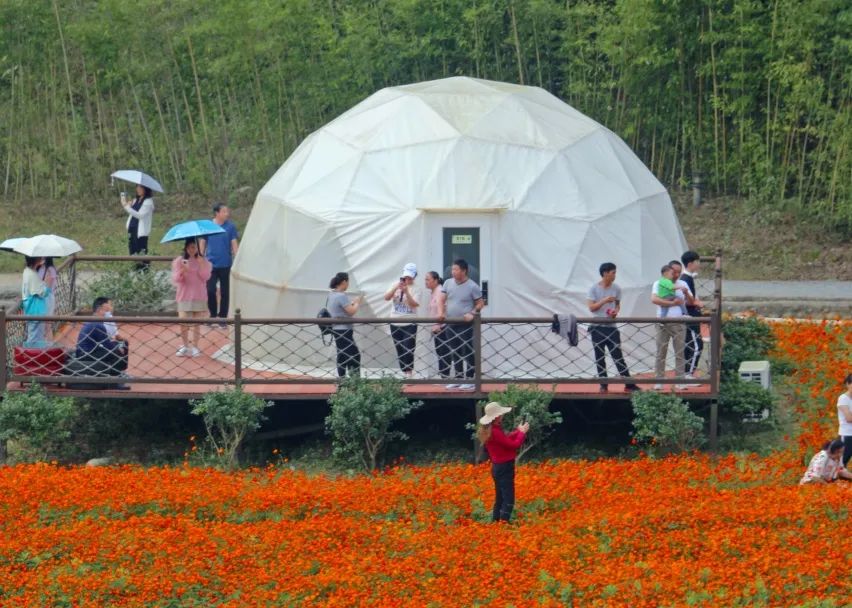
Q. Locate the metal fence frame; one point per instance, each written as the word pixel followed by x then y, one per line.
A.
pixel 67 302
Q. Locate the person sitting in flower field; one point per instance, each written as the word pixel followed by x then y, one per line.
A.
pixel 825 466
pixel 502 449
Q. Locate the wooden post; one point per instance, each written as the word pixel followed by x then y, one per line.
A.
pixel 716 352
pixel 73 285
pixel 477 352
pixel 714 425
pixel 238 349
pixel 478 448
pixel 3 361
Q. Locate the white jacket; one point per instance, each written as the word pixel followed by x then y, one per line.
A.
pixel 144 215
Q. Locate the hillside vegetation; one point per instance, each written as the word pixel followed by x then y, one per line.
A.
pixel 212 96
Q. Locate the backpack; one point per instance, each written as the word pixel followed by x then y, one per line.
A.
pixel 325 329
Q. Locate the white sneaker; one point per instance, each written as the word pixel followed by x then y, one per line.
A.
pixel 658 387
pixel 467 387
pixel 195 352
pixel 183 351
pixel 451 387
pixel 692 384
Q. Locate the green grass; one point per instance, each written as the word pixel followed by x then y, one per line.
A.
pixel 99 227
pixel 759 246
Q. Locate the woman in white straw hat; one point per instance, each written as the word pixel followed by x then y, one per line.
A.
pixel 405 298
pixel 502 450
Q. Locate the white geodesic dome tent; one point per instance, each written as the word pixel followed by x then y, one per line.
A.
pixel 532 192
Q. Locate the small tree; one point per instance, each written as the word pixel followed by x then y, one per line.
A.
pixel 229 417
pixel 745 340
pixel 131 290
pixel 362 413
pixel 36 422
pixel 530 404
pixel 739 399
pixel 666 421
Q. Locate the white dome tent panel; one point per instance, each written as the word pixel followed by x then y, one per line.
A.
pixel 540 194
pixel 328 156
pixel 274 258
pixel 420 124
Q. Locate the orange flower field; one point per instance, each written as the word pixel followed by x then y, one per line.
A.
pixel 692 530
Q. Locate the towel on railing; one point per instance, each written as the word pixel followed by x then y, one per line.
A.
pixel 565 326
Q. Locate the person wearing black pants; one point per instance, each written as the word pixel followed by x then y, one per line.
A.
pixel 502 450
pixel 405 341
pixel 140 212
pixel 442 349
pixel 693 343
pixel 461 351
pixel 607 337
pixel 604 301
pixel 219 308
pixel 342 308
pixel 404 298
pixel 348 355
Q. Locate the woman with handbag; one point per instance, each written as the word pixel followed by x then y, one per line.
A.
pixel 341 307
pixel 34 293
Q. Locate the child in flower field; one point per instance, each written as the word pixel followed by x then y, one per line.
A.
pixel 502 450
pixel 825 466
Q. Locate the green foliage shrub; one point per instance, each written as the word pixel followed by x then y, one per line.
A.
pixel 666 423
pixel 34 424
pixel 229 417
pixel 362 413
pixel 745 340
pixel 739 399
pixel 530 404
pixel 131 290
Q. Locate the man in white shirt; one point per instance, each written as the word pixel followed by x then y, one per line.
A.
pixel 666 332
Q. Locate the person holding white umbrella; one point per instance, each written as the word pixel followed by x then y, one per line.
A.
pixel 34 293
pixel 140 210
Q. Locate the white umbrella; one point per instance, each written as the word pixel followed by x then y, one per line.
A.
pixel 47 246
pixel 137 177
pixel 10 244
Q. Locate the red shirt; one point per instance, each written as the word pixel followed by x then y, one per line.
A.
pixel 502 447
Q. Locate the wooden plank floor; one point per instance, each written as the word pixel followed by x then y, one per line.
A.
pixel 153 350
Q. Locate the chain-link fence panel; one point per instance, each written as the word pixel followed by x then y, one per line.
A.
pixel 297 351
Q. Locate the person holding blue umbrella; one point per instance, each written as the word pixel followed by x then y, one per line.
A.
pixel 190 272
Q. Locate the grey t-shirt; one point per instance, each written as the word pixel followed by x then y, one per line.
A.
pixel 460 296
pixel 598 293
pixel 336 301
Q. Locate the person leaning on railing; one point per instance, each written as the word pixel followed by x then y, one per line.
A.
pixel 439 330
pixel 341 307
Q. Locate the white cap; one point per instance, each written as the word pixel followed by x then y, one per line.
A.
pixel 409 270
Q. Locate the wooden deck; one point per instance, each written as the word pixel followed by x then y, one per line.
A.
pixel 163 375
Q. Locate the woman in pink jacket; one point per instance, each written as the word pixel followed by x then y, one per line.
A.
pixel 190 273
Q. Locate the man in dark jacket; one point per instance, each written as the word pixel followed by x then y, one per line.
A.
pixel 694 345
pixel 101 355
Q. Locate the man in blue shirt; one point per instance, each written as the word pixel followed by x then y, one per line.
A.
pixel 100 354
pixel 220 250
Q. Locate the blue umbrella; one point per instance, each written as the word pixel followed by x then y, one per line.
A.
pixel 191 229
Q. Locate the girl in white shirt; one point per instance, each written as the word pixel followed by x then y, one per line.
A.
pixel 844 418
